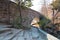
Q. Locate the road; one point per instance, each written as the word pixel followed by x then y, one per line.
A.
pixel 19 34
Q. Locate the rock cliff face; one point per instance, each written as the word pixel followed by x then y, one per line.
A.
pixel 9 11
pixel 3 11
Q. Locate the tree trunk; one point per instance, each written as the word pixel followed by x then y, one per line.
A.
pixel 19 7
pixel 53 16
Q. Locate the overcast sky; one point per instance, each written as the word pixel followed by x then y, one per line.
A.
pixel 37 4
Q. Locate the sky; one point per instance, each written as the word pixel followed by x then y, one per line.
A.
pixel 37 4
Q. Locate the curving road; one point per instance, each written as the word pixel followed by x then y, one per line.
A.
pixel 19 34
